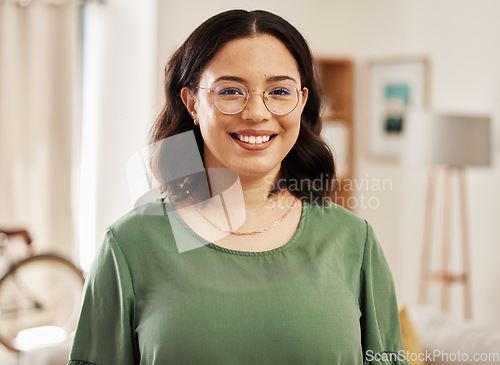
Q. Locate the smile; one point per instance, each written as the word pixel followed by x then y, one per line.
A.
pixel 253 139
pixel 253 142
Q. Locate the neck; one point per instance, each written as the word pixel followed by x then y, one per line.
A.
pixel 255 189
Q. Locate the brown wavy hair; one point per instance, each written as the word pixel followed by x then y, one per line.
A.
pixel 310 159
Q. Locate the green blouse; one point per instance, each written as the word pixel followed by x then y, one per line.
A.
pixel 325 297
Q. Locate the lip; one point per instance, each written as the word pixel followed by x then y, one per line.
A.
pixel 254 147
pixel 254 132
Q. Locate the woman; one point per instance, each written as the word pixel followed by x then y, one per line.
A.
pixel 293 282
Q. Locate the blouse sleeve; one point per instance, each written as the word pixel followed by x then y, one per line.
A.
pixel 381 332
pixel 105 332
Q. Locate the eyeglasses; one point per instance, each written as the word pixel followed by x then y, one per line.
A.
pixel 232 98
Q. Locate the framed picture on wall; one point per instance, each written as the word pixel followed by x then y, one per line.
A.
pixel 395 84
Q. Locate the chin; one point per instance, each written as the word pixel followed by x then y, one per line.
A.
pixel 257 171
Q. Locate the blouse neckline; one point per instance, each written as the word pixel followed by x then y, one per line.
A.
pixel 213 246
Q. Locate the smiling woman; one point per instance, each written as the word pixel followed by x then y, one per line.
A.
pixel 294 281
pixel 256 50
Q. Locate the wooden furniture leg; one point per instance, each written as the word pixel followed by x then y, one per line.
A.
pixel 444 276
pixel 465 244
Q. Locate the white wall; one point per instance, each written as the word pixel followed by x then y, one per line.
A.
pixel 460 37
pixel 118 107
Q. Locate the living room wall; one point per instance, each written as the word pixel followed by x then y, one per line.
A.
pixel 460 38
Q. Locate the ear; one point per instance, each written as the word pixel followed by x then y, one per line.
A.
pixel 305 94
pixel 190 102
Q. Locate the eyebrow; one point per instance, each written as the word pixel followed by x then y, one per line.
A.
pixel 242 80
pixel 281 78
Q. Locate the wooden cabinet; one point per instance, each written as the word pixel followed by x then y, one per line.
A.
pixel 336 77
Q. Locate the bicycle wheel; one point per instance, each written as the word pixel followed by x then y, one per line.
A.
pixel 38 292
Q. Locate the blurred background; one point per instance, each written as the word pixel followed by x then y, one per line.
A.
pixel 81 84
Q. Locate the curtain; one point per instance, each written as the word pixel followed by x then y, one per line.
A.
pixel 39 118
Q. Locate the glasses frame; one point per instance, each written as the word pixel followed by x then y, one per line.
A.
pixel 262 93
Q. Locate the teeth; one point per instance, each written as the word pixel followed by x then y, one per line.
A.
pixel 253 139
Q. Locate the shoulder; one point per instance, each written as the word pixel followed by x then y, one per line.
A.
pixel 333 217
pixel 145 223
pixel 139 216
pixel 330 226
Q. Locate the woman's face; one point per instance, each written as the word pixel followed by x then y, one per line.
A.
pixel 256 63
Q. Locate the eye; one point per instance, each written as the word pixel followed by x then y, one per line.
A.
pixel 230 91
pixel 280 91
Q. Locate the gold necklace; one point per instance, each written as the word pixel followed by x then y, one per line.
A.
pixel 246 233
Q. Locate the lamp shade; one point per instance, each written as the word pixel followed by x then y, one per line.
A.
pixel 447 139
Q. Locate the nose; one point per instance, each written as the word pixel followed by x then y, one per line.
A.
pixel 255 110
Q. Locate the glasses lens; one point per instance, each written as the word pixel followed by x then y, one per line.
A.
pixel 230 98
pixel 281 99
